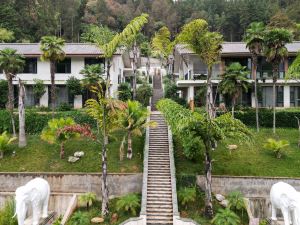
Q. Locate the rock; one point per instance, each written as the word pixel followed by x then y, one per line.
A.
pixel 220 197
pixel 114 218
pixel 73 159
pixel 224 203
pixel 79 154
pixel 232 147
pixel 97 220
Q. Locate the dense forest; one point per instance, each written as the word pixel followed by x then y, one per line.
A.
pixel 29 20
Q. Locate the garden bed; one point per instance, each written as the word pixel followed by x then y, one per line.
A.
pixel 247 160
pixel 39 156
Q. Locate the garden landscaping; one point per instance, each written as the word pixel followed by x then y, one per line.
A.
pixel 39 156
pixel 248 159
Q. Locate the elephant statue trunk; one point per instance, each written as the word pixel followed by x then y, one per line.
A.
pixel 35 193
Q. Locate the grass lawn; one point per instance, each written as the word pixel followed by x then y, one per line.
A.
pixel 248 160
pixel 39 156
pixel 95 211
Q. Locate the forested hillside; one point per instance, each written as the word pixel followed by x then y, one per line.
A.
pixel 31 19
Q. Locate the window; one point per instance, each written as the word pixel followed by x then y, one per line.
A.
pixel 30 65
pixel 264 69
pixel 64 66
pixel 92 61
pixel 279 96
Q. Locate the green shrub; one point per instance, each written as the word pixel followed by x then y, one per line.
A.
pixel 38 89
pixel 57 221
pixel 35 122
pixel 171 91
pixel 5 141
pixel 124 92
pixel 277 147
pixel 87 199
pixel 79 218
pixel 7 213
pixel 129 203
pixel 143 94
pixel 64 107
pixel 74 86
pixel 187 196
pixel 191 146
pixel 3 93
pixel 226 217
pixel 236 200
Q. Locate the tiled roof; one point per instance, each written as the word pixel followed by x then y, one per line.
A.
pixel 238 48
pixel 69 48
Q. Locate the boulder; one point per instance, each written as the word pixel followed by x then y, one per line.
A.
pixel 220 197
pixel 232 147
pixel 97 220
pixel 224 203
pixel 78 154
pixel 73 159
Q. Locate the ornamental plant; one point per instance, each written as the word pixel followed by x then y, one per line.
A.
pixel 226 217
pixel 87 199
pixel 5 141
pixel 278 147
pixel 129 203
pixel 187 196
pixel 61 130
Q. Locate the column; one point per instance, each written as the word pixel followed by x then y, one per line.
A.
pixel 286 96
pixel 44 100
pixel 77 101
pixel 191 97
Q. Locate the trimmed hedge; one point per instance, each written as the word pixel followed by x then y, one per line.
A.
pixel 35 122
pixel 284 118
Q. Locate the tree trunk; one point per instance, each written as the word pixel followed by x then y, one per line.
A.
pixel 275 75
pixel 173 66
pixel 255 91
pixel 208 180
pixel 134 69
pixel 129 145
pixel 53 89
pixel 22 134
pixel 148 68
pixel 104 187
pixel 1 154
pixel 10 105
pixel 210 109
pixel 62 150
pixel 108 79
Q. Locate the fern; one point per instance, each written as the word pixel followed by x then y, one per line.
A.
pixel 226 217
pixel 87 199
pixel 187 196
pixel 236 200
pixel 277 147
pixel 129 203
pixel 79 218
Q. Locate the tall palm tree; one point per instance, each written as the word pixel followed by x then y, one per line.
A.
pixel 254 39
pixel 133 120
pixel 275 51
pixel 11 63
pixel 207 45
pixel 52 50
pixel 104 109
pixel 234 82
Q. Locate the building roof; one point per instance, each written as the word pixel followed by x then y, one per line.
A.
pixel 237 48
pixel 33 49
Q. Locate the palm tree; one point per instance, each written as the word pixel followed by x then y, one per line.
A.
pixel 128 38
pixel 104 109
pixel 133 120
pixel 11 63
pixel 207 45
pixel 275 51
pixel 51 48
pixel 234 82
pixel 254 39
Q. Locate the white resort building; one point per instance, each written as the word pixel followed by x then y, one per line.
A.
pixel 78 55
pixel 191 75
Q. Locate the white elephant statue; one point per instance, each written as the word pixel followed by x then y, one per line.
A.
pixel 35 193
pixel 284 197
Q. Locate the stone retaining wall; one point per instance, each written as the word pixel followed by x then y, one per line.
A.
pixel 64 185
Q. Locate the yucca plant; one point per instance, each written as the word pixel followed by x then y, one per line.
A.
pixel 187 196
pixel 87 199
pixel 278 147
pixel 5 141
pixel 129 203
pixel 226 217
pixel 79 218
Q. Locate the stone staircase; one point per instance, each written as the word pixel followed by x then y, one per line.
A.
pixel 158 92
pixel 159 209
